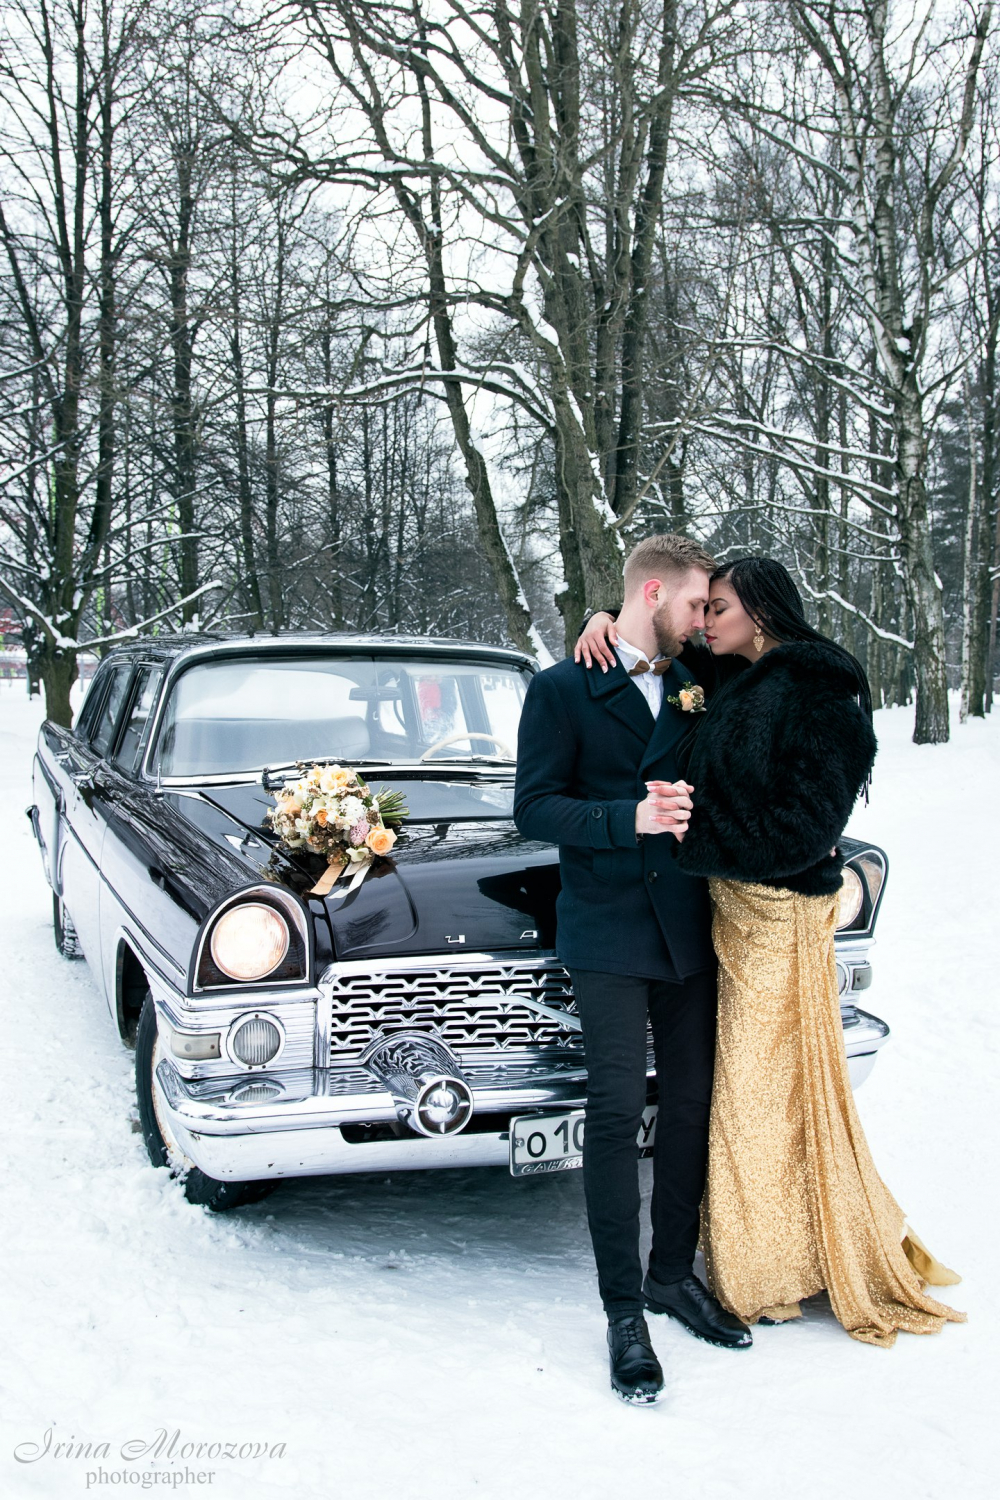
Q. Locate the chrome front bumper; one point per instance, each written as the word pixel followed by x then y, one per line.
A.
pixel 300 1133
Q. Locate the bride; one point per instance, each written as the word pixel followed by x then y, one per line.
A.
pixel 793 1204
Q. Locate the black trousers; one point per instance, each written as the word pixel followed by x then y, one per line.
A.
pixel 613 1010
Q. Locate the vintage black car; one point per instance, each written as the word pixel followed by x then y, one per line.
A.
pixel 418 1020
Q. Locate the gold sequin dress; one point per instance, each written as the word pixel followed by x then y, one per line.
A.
pixel 793 1203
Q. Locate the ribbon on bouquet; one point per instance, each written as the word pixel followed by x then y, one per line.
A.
pixel 332 874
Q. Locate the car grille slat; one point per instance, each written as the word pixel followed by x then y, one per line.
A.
pixel 472 1007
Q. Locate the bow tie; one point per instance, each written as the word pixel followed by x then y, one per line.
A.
pixel 657 667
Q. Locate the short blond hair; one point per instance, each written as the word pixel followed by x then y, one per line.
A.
pixel 663 554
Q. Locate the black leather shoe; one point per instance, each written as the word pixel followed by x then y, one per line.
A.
pixel 701 1313
pixel 636 1375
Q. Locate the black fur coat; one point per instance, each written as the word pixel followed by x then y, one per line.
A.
pixel 777 763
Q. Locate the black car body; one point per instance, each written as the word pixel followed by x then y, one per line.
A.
pixel 411 1020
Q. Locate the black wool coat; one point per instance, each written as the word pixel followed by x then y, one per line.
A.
pixel 777 762
pixel 587 745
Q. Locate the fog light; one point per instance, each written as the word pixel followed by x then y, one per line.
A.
pixel 842 978
pixel 443 1106
pixel 255 1040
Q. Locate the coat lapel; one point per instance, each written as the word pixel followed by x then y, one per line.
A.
pixel 622 698
pixel 670 721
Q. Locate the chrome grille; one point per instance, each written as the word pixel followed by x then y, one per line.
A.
pixel 472 1007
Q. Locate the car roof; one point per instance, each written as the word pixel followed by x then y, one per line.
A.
pixel 192 647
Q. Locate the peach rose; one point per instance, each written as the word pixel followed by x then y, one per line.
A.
pixel 691 699
pixel 335 778
pixel 321 817
pixel 380 840
pixel 291 806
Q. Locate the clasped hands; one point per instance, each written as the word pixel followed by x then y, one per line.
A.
pixel 666 808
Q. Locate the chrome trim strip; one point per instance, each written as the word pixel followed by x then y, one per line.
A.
pixel 212 1116
pixel 449 960
pixel 147 950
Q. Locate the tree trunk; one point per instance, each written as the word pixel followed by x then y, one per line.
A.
pixel 980 699
pixel 923 587
pixel 637 317
pixel 57 669
pixel 251 580
pixel 332 485
pixel 477 479
pixel 100 516
pixel 271 476
pixel 181 337
pixel 991 655
pixel 972 590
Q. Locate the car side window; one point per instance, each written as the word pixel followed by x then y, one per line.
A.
pixel 91 703
pixel 133 739
pixel 104 729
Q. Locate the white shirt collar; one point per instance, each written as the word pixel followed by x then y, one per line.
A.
pixel 635 653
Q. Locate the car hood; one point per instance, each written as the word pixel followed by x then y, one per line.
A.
pixel 460 885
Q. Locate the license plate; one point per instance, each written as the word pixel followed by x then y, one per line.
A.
pixel 554 1143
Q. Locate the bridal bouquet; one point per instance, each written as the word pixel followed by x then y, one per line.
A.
pixel 332 811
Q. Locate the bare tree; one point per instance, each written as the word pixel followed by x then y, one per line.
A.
pixel 527 151
pixel 64 91
pixel 902 143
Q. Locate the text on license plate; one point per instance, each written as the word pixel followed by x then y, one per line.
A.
pixel 554 1143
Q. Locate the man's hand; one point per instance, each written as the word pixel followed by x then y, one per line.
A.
pixel 597 642
pixel 665 809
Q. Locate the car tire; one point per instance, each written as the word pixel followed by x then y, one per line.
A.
pixel 67 942
pixel 199 1188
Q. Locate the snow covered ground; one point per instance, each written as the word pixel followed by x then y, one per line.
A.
pixel 429 1335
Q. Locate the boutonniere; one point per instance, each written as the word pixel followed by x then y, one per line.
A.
pixel 690 699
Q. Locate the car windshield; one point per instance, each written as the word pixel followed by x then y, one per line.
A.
pixel 247 713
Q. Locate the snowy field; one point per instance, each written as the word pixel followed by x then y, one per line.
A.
pixel 431 1335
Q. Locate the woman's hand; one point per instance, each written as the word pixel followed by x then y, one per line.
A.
pixel 597 642
pixel 665 809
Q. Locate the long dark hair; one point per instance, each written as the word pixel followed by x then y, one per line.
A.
pixel 768 593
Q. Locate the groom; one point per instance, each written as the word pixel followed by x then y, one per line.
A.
pixel 597 774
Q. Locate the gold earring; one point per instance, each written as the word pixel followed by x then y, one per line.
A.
pixel 758 641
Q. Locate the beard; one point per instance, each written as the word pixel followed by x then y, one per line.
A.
pixel 667 642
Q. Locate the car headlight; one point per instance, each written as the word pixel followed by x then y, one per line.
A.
pixel 873 870
pixel 850 899
pixel 250 941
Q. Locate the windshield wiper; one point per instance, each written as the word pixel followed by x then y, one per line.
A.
pixel 436 770
pixel 273 776
pixel 285 767
pixel 470 760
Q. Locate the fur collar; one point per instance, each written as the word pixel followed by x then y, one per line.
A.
pixel 802 661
